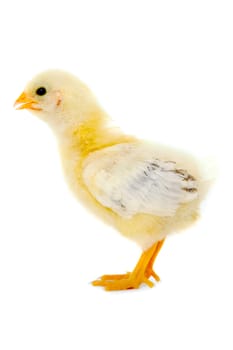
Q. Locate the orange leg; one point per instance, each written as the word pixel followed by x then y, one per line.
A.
pixel 149 270
pixel 132 280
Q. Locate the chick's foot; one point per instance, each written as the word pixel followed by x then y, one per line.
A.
pixel 122 282
pixel 132 280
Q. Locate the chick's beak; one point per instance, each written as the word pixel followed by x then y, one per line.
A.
pixel 25 102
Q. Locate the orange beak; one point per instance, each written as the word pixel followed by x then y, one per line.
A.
pixel 25 102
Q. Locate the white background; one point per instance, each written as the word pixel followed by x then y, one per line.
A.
pixel 163 71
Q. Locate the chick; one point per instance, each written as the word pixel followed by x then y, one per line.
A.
pixel 146 191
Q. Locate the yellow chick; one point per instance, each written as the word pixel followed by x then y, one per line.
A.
pixel 146 191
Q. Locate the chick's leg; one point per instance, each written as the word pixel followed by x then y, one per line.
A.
pixel 141 273
pixel 149 270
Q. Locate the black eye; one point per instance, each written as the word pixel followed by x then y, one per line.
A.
pixel 41 91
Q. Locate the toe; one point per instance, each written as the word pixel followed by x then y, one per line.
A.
pixel 114 277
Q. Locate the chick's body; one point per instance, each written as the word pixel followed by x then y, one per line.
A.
pixel 80 170
pixel 146 191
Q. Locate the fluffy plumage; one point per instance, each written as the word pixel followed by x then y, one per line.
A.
pixel 144 190
pixel 129 179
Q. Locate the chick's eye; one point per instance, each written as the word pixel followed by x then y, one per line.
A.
pixel 41 91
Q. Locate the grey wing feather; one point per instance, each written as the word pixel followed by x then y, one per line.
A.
pixel 130 185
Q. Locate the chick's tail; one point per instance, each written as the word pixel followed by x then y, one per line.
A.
pixel 208 173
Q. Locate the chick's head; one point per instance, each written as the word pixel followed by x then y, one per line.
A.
pixel 58 98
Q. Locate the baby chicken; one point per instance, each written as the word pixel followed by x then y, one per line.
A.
pixel 146 191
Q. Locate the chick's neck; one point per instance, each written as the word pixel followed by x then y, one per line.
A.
pixel 92 134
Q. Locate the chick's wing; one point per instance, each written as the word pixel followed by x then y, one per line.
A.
pixel 129 179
